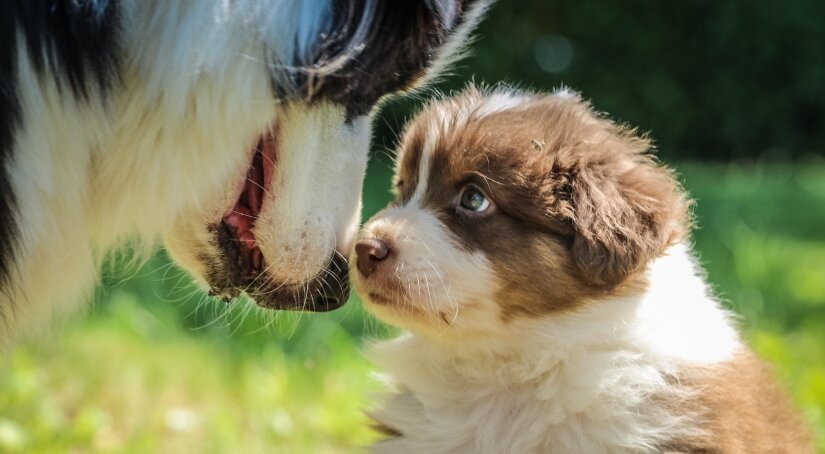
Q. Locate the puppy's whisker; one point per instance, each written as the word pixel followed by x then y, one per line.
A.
pixel 447 294
pixel 430 301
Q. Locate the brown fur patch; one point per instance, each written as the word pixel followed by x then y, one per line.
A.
pixel 383 429
pixel 581 205
pixel 409 158
pixel 741 409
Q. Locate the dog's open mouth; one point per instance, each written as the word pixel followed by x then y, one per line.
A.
pixel 243 266
pixel 240 220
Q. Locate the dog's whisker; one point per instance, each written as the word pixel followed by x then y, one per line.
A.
pixel 251 216
pixel 265 191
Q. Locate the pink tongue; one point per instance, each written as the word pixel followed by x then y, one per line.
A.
pixel 245 212
pixel 241 218
pixel 247 239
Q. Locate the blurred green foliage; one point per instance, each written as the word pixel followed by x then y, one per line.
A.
pixel 712 79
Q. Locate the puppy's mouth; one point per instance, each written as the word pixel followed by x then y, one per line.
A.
pixel 379 298
pixel 242 265
pixel 387 291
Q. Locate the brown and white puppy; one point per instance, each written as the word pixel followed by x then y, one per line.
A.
pixel 539 257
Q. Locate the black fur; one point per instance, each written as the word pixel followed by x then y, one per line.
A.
pixel 9 115
pixel 401 43
pixel 74 42
pixel 76 39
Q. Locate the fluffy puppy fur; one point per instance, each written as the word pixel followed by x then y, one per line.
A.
pixel 236 130
pixel 539 258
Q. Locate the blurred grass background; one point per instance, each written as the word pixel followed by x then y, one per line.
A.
pixel 733 94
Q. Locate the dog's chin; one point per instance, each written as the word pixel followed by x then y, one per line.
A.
pixel 326 291
pixel 218 264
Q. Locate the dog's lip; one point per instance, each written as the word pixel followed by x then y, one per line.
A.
pixel 238 223
pixel 322 293
pixel 326 291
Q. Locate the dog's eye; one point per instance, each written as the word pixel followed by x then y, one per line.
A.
pixel 474 200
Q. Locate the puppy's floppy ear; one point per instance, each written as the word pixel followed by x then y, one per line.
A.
pixel 626 210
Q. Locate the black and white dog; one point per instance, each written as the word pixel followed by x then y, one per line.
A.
pixel 236 130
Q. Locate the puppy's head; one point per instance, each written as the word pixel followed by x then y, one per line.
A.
pixel 512 205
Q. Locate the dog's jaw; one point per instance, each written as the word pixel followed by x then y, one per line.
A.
pixel 284 249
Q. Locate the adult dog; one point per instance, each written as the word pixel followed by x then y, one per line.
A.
pixel 236 130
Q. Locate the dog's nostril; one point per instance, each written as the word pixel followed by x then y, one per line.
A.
pixel 370 252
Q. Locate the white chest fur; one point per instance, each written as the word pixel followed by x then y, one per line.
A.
pixel 601 379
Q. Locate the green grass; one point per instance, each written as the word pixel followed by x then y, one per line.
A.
pixel 128 380
pixel 156 368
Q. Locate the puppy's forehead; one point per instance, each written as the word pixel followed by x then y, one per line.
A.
pixel 474 138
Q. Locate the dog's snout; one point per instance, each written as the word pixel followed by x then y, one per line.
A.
pixel 371 253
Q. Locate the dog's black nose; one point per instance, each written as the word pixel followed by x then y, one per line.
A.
pixel 370 253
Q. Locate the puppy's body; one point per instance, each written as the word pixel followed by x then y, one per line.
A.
pixel 538 257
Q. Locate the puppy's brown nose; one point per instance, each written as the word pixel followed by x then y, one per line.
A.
pixel 370 253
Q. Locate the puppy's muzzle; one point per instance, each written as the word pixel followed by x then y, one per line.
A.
pixel 371 253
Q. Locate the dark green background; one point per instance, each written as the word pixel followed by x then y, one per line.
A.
pixel 712 79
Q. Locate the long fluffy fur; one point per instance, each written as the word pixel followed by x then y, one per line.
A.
pixel 127 118
pixel 566 314
pixel 579 382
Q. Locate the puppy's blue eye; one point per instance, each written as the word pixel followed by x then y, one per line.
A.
pixel 472 199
